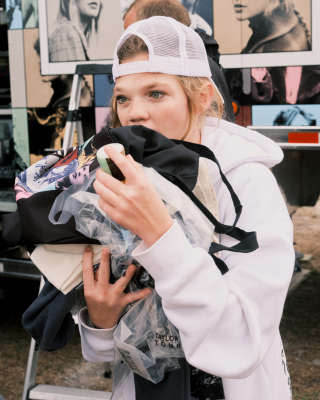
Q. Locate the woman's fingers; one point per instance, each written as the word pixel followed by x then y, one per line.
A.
pixel 138 295
pixel 134 162
pixel 103 276
pixel 87 268
pixel 123 282
pixel 127 168
pixel 107 187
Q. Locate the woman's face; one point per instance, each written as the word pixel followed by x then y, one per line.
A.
pixel 89 8
pixel 245 9
pixel 154 100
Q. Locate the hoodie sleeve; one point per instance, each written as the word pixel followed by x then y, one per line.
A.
pixel 228 322
pixel 96 344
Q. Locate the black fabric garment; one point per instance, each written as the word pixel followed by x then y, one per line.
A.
pixel 48 319
pixel 152 149
pixel 174 386
pixel 217 72
pixel 186 383
pixel 205 386
pixel 11 229
pixel 36 227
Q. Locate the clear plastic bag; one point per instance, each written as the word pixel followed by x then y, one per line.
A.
pixel 145 340
pixel 81 202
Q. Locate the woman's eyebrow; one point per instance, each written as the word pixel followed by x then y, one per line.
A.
pixel 146 87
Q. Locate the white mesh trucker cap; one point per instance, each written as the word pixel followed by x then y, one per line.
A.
pixel 173 49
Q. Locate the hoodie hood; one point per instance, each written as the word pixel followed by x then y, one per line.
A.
pixel 234 145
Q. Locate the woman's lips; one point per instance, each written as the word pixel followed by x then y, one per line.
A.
pixel 238 8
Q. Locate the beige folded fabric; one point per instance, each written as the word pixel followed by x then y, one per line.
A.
pixel 61 263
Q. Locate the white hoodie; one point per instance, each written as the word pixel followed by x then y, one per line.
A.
pixel 229 324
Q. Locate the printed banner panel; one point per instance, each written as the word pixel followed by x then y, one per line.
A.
pixel 17 68
pixel 286 115
pixel 46 128
pixel 49 90
pixel 275 85
pixel 102 114
pixel 14 14
pixel 30 16
pixel 268 33
pixel 20 133
pixel 66 41
pixel 103 89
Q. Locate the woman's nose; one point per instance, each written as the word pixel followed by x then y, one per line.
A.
pixel 138 111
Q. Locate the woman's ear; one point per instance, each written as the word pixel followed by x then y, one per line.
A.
pixel 205 97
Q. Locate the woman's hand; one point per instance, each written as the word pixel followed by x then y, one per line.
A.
pixel 105 301
pixel 135 204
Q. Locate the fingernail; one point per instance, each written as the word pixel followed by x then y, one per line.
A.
pixel 88 248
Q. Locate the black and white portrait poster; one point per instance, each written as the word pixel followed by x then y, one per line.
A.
pixel 266 33
pixel 77 31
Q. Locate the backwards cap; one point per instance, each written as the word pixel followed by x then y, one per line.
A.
pixel 173 49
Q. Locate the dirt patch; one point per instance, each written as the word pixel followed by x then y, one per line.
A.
pixel 300 327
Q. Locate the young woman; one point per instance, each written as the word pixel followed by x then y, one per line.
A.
pixel 275 24
pixel 229 324
pixel 74 35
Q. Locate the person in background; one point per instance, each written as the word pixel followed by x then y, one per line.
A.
pixel 76 30
pixel 142 9
pixel 228 323
pixel 276 26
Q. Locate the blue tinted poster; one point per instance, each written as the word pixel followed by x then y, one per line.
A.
pixel 103 87
pixel 14 14
pixel 286 115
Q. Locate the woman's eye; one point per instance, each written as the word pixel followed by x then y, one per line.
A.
pixel 156 94
pixel 121 99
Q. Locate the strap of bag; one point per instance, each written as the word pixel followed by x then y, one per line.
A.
pixel 247 241
pixel 205 152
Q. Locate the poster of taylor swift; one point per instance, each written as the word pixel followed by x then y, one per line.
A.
pixel 76 32
pixel 267 33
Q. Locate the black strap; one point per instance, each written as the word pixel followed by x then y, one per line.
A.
pixel 219 263
pixel 205 152
pixel 247 241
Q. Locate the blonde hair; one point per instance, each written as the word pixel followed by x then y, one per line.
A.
pixel 190 85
